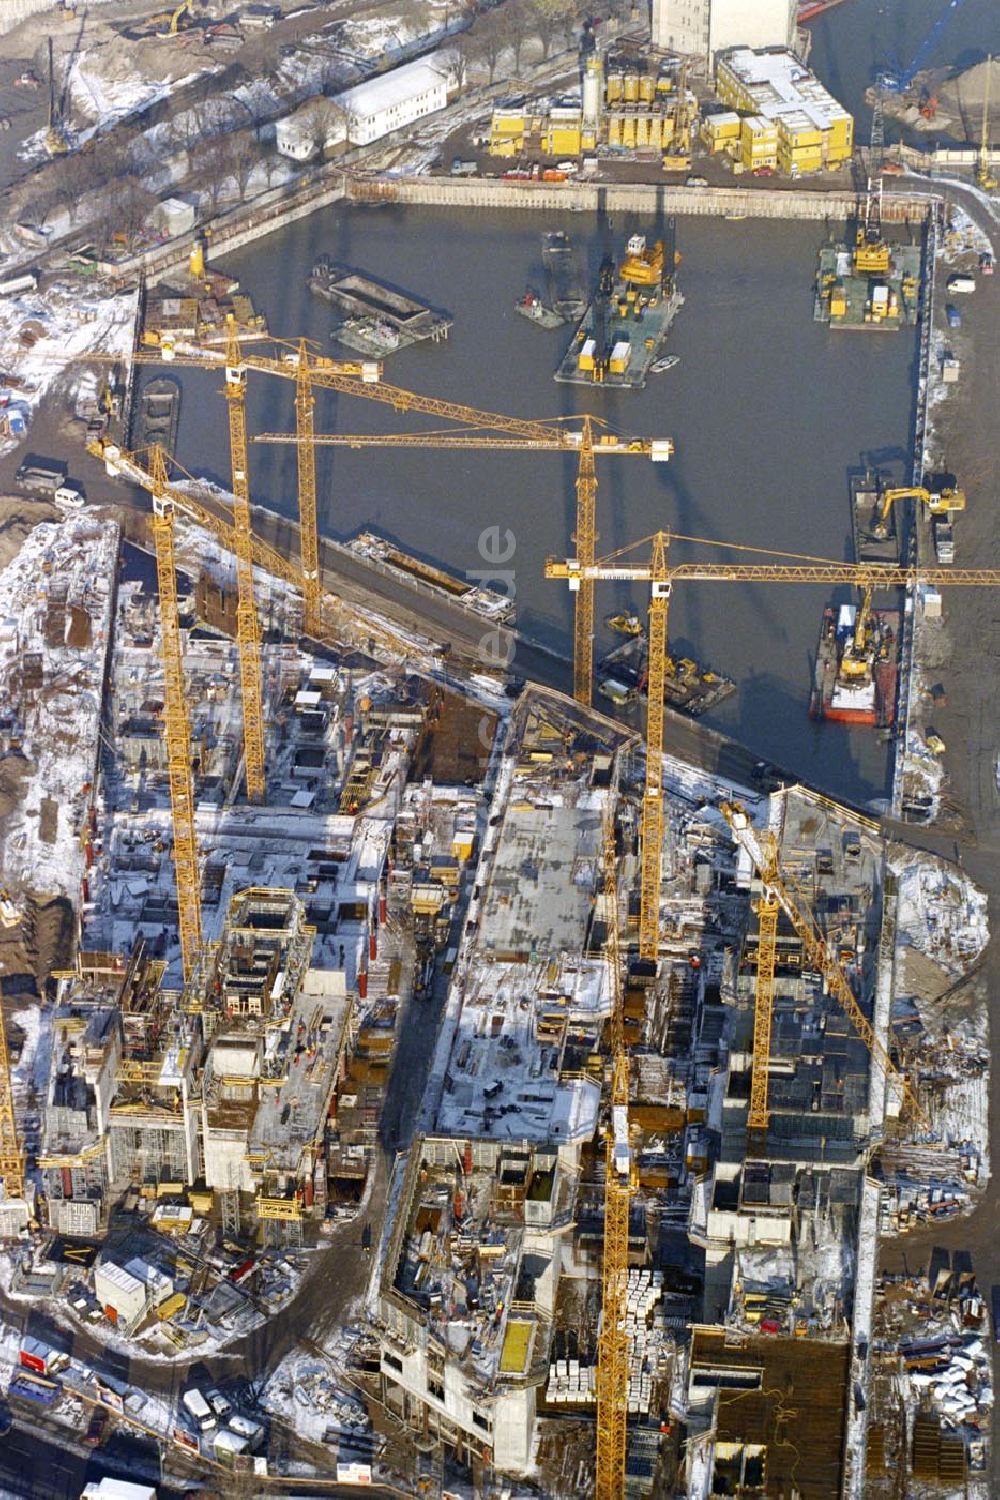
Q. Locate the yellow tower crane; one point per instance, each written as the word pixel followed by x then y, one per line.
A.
pixel 591 439
pixel 11 1154
pixel 247 627
pixel 176 723
pixel 364 379
pixel 816 955
pixel 619 1186
pixel 661 577
pixel 768 909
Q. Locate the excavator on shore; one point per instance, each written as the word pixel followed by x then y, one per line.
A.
pixel 938 502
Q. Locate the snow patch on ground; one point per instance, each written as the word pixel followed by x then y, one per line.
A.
pixel 941 913
pixel 64 637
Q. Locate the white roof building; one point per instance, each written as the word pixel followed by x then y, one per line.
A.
pixel 367 111
pixel 122 1295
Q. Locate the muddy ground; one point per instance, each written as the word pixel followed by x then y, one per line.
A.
pixel 969 722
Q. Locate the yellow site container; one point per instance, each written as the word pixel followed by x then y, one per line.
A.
pixel 642 130
pixel 588 138
pixel 620 356
pixel 614 130
pixel 628 132
pixel 585 359
pixel 563 140
pixel 647 89
pixel 201 1200
pixel 838 304
pixel 631 88
pixel 664 84
pixel 616 87
pixel 506 134
pixel 656 130
pixel 171 1307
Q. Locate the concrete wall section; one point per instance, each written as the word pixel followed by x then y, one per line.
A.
pixel 13 12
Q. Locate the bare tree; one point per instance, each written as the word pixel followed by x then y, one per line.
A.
pixel 258 101
pixel 488 42
pixel 515 25
pixel 320 120
pixel 550 18
pixel 243 154
pixel 129 205
pixel 211 165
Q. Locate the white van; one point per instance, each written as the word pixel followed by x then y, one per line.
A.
pixel 198 1410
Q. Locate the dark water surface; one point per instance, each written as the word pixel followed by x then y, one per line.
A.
pixel 770 413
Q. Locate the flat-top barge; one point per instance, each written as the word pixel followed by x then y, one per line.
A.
pixel 623 329
pixel 876 536
pixel 691 688
pixel 389 558
pixel 566 292
pixel 868 698
pixel 379 320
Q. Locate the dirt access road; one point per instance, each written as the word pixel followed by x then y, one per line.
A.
pixel 970 725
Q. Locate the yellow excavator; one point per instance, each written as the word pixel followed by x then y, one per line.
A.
pixel 857 660
pixel 169 23
pixel 938 503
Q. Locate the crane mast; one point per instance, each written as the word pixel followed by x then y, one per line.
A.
pixel 305 452
pixel 612 1343
pixel 176 722
pixel 585 538
pixel 652 799
pixel 247 628
pixel 768 911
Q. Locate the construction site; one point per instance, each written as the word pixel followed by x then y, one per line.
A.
pixel 436 1083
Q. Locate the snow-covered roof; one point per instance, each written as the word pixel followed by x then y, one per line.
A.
pixel 396 87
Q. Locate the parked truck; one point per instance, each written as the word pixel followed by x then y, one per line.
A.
pixel 41 476
pixel 944 541
pixel 198 1410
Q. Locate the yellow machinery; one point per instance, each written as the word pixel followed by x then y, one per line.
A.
pixel 678 157
pixel 857 661
pixel 938 503
pixel 984 177
pixel 11 1155
pixel 173 21
pixel 642 266
pixel 247 628
pixel 516 433
pixel 871 252
pixel 176 721
pixel 768 909
pixel 816 954
pixel 661 578
pixel 619 1185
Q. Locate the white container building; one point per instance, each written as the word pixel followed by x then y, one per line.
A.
pixel 368 111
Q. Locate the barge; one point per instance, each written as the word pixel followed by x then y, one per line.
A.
pixel 158 415
pixel 389 558
pixel 532 307
pixel 622 332
pixel 691 688
pixel 566 292
pixel 875 539
pixel 378 320
pixel 869 700
pixel 846 297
